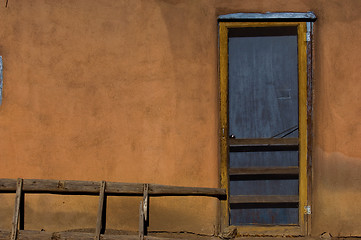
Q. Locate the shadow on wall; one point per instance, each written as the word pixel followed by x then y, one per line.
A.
pixel 336 194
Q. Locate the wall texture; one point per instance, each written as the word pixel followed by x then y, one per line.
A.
pixel 128 91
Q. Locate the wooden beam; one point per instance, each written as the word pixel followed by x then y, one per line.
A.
pixel 15 223
pixel 113 188
pixel 263 142
pixel 163 190
pixel 263 199
pixel 263 171
pixel 7 185
pixel 99 225
pixel 5 235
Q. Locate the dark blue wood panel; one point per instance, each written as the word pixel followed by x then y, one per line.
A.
pixel 263 86
pixel 263 103
pixel 251 215
pixel 263 159
pixel 264 187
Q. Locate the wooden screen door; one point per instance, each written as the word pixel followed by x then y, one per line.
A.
pixel 263 81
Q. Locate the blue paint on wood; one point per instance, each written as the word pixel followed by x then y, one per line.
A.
pixel 263 83
pixel 283 16
pixel 258 215
pixel 1 79
pixel 254 186
pixel 263 103
pixel 263 159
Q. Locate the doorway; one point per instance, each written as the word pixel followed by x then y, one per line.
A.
pixel 264 98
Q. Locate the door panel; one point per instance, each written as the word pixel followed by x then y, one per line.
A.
pixel 263 86
pixel 250 214
pixel 263 103
pixel 263 159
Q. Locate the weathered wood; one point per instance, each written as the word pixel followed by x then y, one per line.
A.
pixel 100 211
pixel 263 171
pixel 223 220
pixel 7 185
pixel 124 188
pixel 308 218
pixel 146 201
pixel 15 223
pixel 263 142
pixel 112 188
pixel 163 190
pixel 302 81
pixel 5 235
pixel 51 186
pixel 263 199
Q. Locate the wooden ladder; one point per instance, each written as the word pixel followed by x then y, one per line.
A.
pixel 104 189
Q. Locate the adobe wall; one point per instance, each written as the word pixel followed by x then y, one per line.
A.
pixel 128 91
pixel 110 90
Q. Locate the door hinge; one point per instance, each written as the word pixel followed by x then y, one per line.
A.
pixel 308 210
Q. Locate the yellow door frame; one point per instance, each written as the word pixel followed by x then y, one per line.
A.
pixel 301 228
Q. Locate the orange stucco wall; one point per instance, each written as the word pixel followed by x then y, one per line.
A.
pixel 128 91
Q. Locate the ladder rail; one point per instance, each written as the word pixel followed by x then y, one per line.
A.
pixel 71 187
